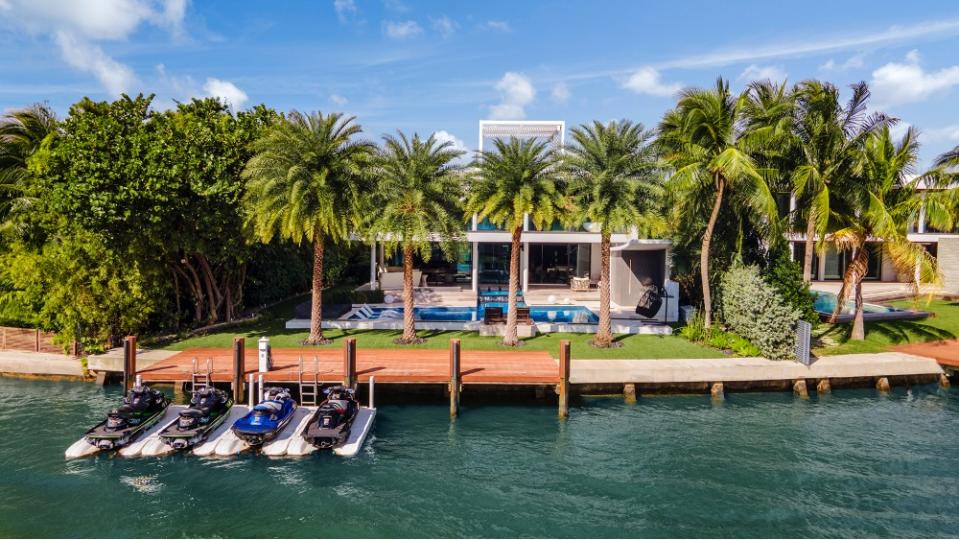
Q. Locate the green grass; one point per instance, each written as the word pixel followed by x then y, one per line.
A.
pixel 272 325
pixel 880 336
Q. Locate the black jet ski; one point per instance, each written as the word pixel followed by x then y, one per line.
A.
pixel 330 424
pixel 142 407
pixel 208 409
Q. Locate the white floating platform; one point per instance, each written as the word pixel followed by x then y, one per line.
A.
pixel 361 428
pixel 279 446
pixel 82 448
pixel 222 434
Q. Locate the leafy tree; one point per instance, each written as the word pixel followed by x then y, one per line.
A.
pixel 612 170
pixel 22 132
pixel 704 141
pixel 309 180
pixel 516 179
pixel 418 196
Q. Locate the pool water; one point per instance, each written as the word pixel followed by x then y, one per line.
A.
pixel 851 464
pixel 540 314
pixel 826 304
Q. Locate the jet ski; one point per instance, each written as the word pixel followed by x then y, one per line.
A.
pixel 330 424
pixel 208 409
pixel 267 418
pixel 142 407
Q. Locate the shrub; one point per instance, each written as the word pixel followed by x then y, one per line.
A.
pixel 785 275
pixel 755 310
pixel 695 330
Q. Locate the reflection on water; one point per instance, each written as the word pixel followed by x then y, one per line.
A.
pixel 850 464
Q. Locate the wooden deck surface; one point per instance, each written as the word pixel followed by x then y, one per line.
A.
pixel 411 366
pixel 945 352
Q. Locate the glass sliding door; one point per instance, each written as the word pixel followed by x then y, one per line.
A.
pixel 494 264
pixel 557 263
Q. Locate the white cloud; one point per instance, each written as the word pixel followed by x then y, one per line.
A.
pixel 115 77
pixel 401 29
pixel 755 72
pixel 516 92
pixel 338 99
pixel 948 133
pixel 445 26
pixel 226 91
pixel 647 80
pixel 77 27
pixel 560 92
pixel 896 83
pixel 443 136
pixel 853 62
pixel 499 26
pixel 344 9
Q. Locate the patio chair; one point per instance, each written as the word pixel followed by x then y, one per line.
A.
pixel 493 315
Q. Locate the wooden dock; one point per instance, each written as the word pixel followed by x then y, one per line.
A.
pixel 945 352
pixel 396 366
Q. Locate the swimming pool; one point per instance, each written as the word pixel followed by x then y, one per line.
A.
pixel 541 314
pixel 826 304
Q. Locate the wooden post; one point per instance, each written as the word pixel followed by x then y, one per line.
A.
pixel 717 391
pixel 455 380
pixel 37 340
pixel 882 384
pixel 349 362
pixel 564 378
pixel 823 386
pixel 239 354
pixel 129 362
pixel 944 380
pixel 629 393
pixel 800 388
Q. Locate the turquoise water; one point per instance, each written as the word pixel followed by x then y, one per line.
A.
pixel 826 304
pixel 543 314
pixel 854 463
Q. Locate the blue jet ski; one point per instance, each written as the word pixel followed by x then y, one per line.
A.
pixel 267 418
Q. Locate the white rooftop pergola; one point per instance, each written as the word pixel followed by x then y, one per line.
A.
pixel 552 130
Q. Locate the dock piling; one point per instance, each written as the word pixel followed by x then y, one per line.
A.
pixel 800 388
pixel 563 387
pixel 455 378
pixel 349 362
pixel 239 345
pixel 944 381
pixel 129 362
pixel 629 393
pixel 823 386
pixel 717 391
pixel 252 391
pixel 882 384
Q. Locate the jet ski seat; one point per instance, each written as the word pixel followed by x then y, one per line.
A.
pixel 194 413
pixel 339 405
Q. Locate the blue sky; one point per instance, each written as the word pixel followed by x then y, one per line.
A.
pixel 443 66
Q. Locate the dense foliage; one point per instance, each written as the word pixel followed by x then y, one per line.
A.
pixel 755 310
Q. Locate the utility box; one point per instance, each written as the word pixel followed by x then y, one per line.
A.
pixel 266 357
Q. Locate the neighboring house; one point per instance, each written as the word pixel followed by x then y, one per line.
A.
pixel 944 245
pixel 550 259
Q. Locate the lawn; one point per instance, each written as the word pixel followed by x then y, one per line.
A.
pixel 272 325
pixel 882 335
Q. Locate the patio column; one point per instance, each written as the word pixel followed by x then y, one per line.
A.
pixel 524 266
pixel 373 265
pixel 475 279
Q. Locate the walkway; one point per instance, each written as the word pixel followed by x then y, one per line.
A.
pixel 407 366
pixel 945 352
pixel 33 363
pixel 749 369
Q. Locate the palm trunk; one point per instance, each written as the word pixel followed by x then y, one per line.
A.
pixel 316 307
pixel 512 337
pixel 704 253
pixel 409 324
pixel 858 325
pixel 810 246
pixel 604 334
pixel 851 281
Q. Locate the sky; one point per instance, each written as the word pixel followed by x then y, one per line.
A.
pixel 442 66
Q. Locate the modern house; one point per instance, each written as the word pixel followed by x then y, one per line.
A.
pixel 558 263
pixel 944 245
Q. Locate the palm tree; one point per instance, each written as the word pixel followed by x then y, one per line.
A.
pixel 517 179
pixel 309 179
pixel 704 141
pixel 22 132
pixel 418 198
pixel 879 201
pixel 613 182
pixel 828 137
